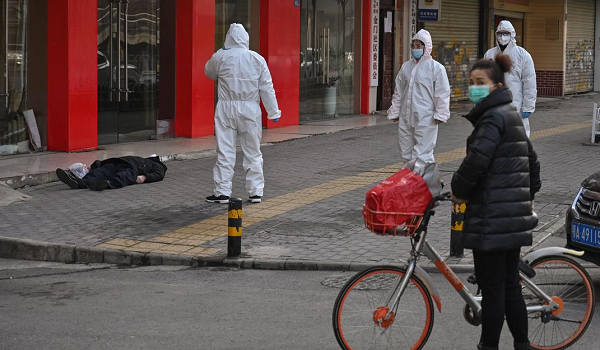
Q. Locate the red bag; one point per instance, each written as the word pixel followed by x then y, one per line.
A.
pixel 404 192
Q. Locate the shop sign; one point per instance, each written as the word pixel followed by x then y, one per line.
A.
pixel 429 10
pixel 374 58
pixel 413 17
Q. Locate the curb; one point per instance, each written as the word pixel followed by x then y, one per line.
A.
pixel 27 249
pixel 16 182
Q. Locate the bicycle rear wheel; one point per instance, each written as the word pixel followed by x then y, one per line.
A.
pixel 358 314
pixel 568 283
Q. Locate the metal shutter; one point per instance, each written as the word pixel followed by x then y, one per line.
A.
pixel 456 42
pixel 579 74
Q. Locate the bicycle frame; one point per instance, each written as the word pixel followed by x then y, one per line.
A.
pixel 423 247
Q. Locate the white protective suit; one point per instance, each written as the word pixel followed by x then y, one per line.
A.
pixel 421 96
pixel 521 78
pixel 244 79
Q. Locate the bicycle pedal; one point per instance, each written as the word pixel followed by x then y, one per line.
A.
pixel 472 279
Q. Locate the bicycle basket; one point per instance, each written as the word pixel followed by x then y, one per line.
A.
pixel 390 223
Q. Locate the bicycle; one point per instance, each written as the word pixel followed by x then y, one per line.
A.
pixel 393 306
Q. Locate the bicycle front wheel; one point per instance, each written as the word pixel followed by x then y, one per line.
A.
pixel 363 320
pixel 567 282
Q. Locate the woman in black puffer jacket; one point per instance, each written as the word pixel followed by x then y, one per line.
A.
pixel 498 179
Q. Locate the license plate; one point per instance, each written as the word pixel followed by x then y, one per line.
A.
pixel 585 234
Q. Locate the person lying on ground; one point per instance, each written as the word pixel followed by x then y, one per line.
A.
pixel 113 173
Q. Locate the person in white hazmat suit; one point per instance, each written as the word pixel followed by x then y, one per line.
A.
pixel 521 78
pixel 421 101
pixel 244 79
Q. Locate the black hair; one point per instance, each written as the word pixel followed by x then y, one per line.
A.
pixel 495 69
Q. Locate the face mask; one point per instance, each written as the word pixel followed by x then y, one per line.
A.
pixel 417 53
pixel 79 170
pixel 478 92
pixel 503 39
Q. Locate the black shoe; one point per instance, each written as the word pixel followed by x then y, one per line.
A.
pixel 220 199
pixel 99 186
pixel 255 199
pixel 67 179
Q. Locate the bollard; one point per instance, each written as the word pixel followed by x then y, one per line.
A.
pixel 457 219
pixel 234 233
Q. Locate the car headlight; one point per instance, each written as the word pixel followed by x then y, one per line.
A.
pixel 574 210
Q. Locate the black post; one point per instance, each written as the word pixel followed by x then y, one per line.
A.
pixel 457 219
pixel 234 233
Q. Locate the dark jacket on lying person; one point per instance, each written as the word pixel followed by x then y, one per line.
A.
pixel 116 173
pixel 152 167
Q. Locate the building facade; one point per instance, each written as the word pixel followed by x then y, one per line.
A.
pixel 560 35
pixel 328 58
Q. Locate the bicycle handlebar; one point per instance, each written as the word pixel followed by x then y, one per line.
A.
pixel 446 196
pixel 442 197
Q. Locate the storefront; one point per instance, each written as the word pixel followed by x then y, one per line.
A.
pixel 13 83
pixel 456 42
pixel 148 79
pixel 327 58
pixel 579 56
pixel 128 70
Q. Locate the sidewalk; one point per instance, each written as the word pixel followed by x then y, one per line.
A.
pixel 311 217
pixel 38 168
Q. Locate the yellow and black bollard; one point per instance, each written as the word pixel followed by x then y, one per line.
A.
pixel 234 233
pixel 457 219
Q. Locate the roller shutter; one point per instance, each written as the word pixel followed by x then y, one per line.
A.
pixel 456 42
pixel 579 74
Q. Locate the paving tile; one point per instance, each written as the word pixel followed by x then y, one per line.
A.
pixel 312 206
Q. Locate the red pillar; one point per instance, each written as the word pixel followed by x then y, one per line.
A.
pixel 72 75
pixel 366 51
pixel 280 46
pixel 195 101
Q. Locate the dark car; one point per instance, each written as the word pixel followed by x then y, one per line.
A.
pixel 583 218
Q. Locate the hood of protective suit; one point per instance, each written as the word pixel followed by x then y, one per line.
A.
pixel 506 26
pixel 237 37
pixel 425 37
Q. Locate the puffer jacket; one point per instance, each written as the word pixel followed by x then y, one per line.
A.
pixel 151 167
pixel 499 177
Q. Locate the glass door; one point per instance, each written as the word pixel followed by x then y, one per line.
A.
pixel 128 70
pixel 326 59
pixel 13 64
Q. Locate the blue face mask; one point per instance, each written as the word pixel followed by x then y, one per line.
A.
pixel 417 53
pixel 479 92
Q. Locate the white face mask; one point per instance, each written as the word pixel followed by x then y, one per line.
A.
pixel 79 169
pixel 503 38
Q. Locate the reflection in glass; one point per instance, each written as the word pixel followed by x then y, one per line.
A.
pixel 228 12
pixel 326 58
pixel 128 70
pixel 13 62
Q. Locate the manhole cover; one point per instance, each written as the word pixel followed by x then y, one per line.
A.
pixel 377 282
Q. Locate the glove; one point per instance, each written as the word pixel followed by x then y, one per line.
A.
pixel 525 115
pixel 275 120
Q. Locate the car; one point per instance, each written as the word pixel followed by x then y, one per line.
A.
pixel 582 222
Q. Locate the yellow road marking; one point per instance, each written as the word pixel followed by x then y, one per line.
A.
pixel 187 240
